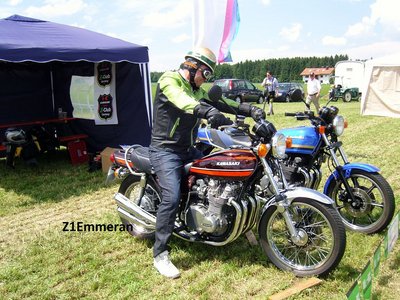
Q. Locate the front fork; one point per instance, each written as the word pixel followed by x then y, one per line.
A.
pixel 338 166
pixel 283 204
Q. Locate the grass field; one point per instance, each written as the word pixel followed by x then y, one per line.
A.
pixel 38 260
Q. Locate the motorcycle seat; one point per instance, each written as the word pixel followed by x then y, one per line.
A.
pixel 139 156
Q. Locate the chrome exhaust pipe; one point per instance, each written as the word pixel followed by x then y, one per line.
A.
pixel 134 213
pixel 133 220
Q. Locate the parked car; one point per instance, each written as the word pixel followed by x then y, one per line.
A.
pixel 285 90
pixel 240 90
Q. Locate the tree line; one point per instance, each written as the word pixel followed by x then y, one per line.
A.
pixel 284 69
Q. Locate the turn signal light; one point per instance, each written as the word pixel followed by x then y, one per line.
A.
pixel 289 142
pixel 262 150
pixel 321 129
pixel 112 158
pixel 346 124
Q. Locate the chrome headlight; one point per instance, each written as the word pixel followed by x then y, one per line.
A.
pixel 338 125
pixel 278 145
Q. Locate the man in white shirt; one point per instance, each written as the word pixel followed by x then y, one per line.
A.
pixel 313 91
pixel 270 85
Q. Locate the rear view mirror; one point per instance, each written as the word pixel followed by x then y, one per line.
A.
pixel 215 93
pixel 296 95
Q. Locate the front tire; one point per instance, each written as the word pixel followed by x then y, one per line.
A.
pixel 130 188
pixel 323 238
pixel 374 204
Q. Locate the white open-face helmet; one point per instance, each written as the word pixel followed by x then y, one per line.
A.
pixel 204 55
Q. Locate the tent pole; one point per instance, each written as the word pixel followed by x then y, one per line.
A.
pixel 52 89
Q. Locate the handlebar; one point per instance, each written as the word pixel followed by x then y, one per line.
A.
pixel 287 114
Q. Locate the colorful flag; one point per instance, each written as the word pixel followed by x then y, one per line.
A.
pixel 215 25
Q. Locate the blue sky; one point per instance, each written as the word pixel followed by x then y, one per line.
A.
pixel 268 28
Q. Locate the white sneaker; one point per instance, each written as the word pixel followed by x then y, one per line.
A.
pixel 164 265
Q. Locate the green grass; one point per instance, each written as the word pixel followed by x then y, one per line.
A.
pixel 40 261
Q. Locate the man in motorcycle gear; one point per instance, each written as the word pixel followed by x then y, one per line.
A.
pixel 179 104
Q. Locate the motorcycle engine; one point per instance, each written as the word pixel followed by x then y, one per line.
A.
pixel 297 172
pixel 206 213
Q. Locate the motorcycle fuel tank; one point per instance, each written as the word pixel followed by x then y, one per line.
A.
pixel 226 164
pixel 304 139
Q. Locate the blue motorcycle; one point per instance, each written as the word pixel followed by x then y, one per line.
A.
pixel 363 198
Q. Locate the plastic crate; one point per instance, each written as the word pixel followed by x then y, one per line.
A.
pixel 77 152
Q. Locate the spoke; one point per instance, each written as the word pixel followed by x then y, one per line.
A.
pixel 315 225
pixel 340 207
pixel 370 219
pixel 355 182
pixel 377 204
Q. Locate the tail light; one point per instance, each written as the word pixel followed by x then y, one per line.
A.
pixel 230 84
pixel 112 158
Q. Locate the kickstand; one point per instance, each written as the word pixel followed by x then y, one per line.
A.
pixel 251 238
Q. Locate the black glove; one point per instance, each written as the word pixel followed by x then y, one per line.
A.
pixel 218 120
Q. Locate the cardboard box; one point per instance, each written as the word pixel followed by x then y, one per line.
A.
pixel 105 158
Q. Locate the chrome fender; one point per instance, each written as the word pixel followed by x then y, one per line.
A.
pixel 300 192
pixel 347 172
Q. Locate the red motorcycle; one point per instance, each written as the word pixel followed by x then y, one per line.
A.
pixel 229 192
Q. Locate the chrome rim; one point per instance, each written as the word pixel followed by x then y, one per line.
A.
pixel 316 235
pixel 368 207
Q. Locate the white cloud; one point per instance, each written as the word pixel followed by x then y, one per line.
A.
pixel 373 50
pixel 362 28
pixel 384 13
pixel 292 33
pixel 181 38
pixel 14 2
pixel 55 8
pixel 169 15
pixel 266 2
pixel 333 41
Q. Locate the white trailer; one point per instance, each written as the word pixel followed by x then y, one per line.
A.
pixel 349 73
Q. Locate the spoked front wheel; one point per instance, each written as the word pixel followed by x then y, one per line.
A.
pixel 319 246
pixel 373 205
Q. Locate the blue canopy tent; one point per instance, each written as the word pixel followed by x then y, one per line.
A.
pixel 37 61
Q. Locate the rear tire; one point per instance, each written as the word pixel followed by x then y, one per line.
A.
pixel 130 188
pixel 323 243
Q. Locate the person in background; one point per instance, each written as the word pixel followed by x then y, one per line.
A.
pixel 313 91
pixel 179 105
pixel 270 85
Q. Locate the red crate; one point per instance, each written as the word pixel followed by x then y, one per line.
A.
pixel 77 152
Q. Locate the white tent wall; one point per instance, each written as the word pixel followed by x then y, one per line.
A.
pixel 381 91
